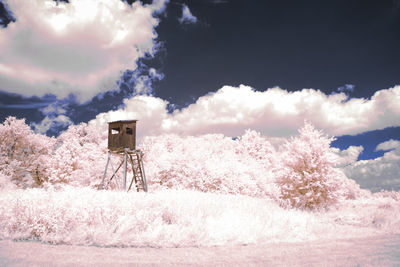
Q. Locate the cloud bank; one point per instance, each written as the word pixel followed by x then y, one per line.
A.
pixel 79 48
pixel 279 113
pixel 274 112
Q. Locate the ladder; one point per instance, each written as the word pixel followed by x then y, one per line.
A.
pixel 138 172
pixel 135 158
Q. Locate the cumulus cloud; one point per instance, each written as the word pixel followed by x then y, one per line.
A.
pixel 348 156
pixel 150 111
pixel 187 16
pixel 80 47
pixel 275 112
pixel 382 173
pixel 388 145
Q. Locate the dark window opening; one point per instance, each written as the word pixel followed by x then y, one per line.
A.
pixel 115 130
pixel 129 131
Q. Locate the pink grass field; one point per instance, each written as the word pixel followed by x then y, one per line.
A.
pixel 82 226
pixel 376 251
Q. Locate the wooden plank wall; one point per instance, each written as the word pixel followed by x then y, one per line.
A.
pixel 122 134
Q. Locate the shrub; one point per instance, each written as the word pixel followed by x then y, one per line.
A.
pixel 210 163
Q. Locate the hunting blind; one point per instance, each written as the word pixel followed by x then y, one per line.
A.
pixel 122 144
pixel 122 134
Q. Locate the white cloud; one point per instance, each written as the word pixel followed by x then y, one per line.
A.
pixel 54 109
pixel 275 112
pixel 388 145
pixel 52 121
pixel 150 111
pixel 377 174
pixel 348 156
pixel 79 47
pixel 158 6
pixel 187 16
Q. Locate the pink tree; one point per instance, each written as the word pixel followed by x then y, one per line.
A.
pixel 79 156
pixel 307 177
pixel 24 154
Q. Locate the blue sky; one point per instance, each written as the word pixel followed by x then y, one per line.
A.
pixel 209 66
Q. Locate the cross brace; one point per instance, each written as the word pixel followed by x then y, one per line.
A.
pixel 132 157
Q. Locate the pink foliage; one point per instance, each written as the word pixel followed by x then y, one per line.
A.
pixel 24 154
pixel 302 175
pixel 216 186
pixel 257 147
pixel 79 156
pixel 211 163
pixel 307 177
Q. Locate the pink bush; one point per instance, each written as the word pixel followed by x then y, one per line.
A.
pixel 210 163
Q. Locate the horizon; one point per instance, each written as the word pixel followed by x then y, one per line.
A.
pixel 193 67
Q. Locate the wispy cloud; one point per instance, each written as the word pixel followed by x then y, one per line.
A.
pixel 219 1
pixel 347 88
pixel 187 16
pixel 24 106
pixel 15 101
pixel 55 117
pixel 50 124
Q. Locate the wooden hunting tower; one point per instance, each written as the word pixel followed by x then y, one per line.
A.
pixel 122 144
pixel 121 135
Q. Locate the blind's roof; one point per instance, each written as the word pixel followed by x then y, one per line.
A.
pixel 123 121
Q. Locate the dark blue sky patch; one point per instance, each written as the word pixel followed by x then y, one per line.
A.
pixel 293 44
pixel 23 107
pixel 369 140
